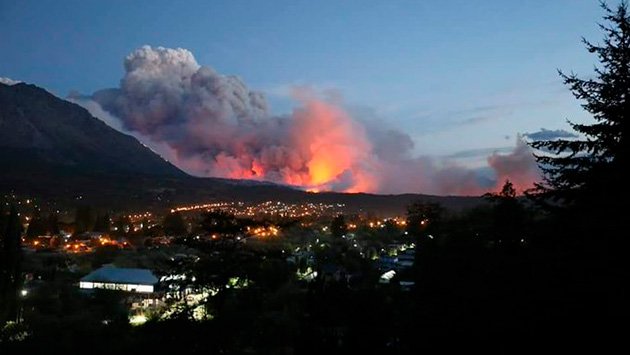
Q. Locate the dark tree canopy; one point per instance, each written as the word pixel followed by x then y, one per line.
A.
pixel 582 171
pixel 10 260
pixel 174 224
pixel 508 215
pixel 423 218
pixel 338 227
pixel 585 177
pixel 102 223
pixel 4 216
pixel 84 219
pixel 220 222
pixel 53 223
pixel 37 226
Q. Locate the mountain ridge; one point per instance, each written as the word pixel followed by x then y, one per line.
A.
pixel 39 130
pixel 54 149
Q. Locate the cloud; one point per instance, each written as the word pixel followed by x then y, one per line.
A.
pixel 475 153
pixel 477 119
pixel 210 124
pixel 8 81
pixel 477 116
pixel 548 134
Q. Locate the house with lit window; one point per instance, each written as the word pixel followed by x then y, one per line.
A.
pixel 122 279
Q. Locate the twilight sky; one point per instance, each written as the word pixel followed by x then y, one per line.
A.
pixel 459 77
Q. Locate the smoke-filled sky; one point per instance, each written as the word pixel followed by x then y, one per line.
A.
pixel 379 96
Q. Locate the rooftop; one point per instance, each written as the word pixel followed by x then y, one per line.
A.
pixel 121 275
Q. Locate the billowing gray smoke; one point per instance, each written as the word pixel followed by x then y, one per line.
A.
pixel 213 125
pixel 166 96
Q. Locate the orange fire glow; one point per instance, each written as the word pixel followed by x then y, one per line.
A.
pixel 335 147
pixel 327 150
pixel 331 152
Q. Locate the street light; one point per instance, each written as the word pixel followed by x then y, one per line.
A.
pixel 20 313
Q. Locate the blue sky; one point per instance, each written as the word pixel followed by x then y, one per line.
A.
pixel 455 75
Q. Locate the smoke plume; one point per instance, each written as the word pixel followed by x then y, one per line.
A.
pixel 213 125
pixel 519 166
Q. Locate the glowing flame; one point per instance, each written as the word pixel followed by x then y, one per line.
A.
pixel 332 152
pixel 336 148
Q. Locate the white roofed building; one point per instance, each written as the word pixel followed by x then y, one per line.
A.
pixel 123 279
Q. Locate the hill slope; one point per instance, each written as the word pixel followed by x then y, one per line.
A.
pixel 40 132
